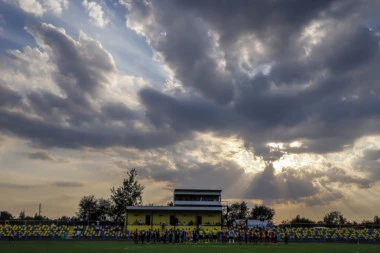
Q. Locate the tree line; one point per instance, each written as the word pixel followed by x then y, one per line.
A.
pixel 240 210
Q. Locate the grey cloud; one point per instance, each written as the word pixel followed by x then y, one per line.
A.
pixel 186 52
pixel 287 185
pixel 8 97
pixel 372 154
pixel 359 46
pixel 338 175
pixel 302 186
pixel 341 66
pixel 41 156
pixel 369 165
pixel 118 111
pixel 72 121
pixel 185 114
pixel 53 135
pixel 227 176
pixel 324 198
pixel 68 184
pixel 83 66
pixel 46 156
pixel 339 104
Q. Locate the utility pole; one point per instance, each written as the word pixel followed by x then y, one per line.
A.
pixel 39 209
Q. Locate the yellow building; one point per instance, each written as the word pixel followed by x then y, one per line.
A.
pixel 193 208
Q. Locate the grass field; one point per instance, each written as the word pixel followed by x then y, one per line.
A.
pixel 120 246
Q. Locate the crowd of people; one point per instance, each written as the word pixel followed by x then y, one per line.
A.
pixel 230 236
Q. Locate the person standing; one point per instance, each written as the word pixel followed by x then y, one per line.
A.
pixel 148 235
pixel 286 238
pixel 231 235
pixel 275 237
pixel 11 236
pixel 142 236
pixel 188 236
pixel 195 236
pixel 136 237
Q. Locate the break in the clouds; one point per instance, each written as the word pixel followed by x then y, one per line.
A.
pixel 273 102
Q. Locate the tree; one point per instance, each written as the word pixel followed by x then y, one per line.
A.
pixel 87 207
pixel 334 218
pixel 38 217
pixel 262 213
pixel 301 220
pixel 4 215
pixel 92 208
pixel 21 216
pixel 376 220
pixel 103 208
pixel 170 203
pixel 129 194
pixel 236 211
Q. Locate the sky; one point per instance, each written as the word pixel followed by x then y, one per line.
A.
pixel 273 102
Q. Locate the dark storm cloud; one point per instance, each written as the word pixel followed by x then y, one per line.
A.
pixel 358 48
pixel 83 66
pixel 8 97
pixel 53 135
pixel 186 114
pixel 186 51
pixel 118 111
pixel 327 115
pixel 341 101
pixel 307 186
pixel 263 17
pixel 54 108
pixel 74 120
pixel 285 185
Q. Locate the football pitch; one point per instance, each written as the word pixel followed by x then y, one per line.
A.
pixel 120 246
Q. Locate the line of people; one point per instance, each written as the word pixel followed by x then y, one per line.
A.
pixel 252 236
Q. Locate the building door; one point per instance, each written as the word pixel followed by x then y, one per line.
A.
pixel 147 220
pixel 199 220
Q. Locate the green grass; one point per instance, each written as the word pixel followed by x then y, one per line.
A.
pixel 120 246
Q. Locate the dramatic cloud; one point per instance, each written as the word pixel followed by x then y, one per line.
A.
pixel 284 92
pixel 273 102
